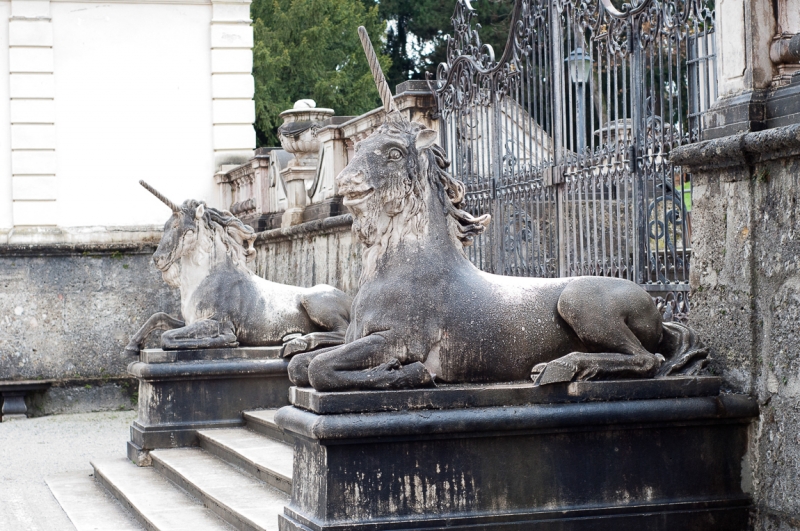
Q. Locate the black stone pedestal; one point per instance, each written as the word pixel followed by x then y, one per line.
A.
pixel 181 391
pixel 570 457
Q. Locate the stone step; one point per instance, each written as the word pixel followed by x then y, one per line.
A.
pixel 240 499
pixel 263 422
pixel 265 458
pixel 88 505
pixel 153 500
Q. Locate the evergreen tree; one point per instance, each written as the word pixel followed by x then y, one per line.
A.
pixel 310 49
pixel 415 41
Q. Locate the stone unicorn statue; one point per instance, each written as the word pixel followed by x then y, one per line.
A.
pixel 203 252
pixel 424 310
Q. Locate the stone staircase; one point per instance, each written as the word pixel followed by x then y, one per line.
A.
pixel 239 478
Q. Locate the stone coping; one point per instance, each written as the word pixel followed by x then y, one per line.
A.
pixel 745 149
pixel 209 369
pixel 471 422
pixel 157 355
pixel 310 227
pixel 90 250
pixel 500 395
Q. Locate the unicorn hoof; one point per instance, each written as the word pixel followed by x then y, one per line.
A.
pixel 556 372
pixel 131 351
pixel 293 347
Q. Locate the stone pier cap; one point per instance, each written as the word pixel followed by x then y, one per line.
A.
pixel 450 410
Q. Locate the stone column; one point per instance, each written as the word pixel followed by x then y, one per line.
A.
pixel 232 85
pixel 758 52
pixel 744 31
pixel 32 112
pixel 785 48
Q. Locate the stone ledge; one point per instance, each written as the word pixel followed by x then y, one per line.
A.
pixel 75 249
pixel 533 417
pixel 746 149
pixel 499 395
pixel 74 241
pixel 332 224
pixel 205 370
pixel 157 355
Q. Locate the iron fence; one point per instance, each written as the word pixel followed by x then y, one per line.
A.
pixel 565 138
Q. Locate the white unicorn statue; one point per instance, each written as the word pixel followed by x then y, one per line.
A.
pixel 204 252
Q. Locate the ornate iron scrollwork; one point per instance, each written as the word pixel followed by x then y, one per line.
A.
pixel 617 206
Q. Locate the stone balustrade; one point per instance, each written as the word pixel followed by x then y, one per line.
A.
pixel 294 184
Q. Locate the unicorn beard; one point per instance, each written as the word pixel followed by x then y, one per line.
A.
pixel 172 275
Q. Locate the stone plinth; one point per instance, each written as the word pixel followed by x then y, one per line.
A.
pixel 182 391
pixel 594 461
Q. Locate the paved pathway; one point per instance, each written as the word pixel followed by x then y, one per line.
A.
pixel 33 449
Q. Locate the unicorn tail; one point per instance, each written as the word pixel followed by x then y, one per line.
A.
pixel 683 351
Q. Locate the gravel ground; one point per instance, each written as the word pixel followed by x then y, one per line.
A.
pixel 33 449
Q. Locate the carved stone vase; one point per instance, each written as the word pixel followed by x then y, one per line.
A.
pixel 298 137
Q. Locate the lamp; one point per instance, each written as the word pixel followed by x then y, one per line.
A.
pixel 580 66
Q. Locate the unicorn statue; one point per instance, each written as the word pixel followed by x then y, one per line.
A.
pixel 204 252
pixel 425 313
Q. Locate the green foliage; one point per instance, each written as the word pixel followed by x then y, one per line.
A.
pixel 430 21
pixel 310 49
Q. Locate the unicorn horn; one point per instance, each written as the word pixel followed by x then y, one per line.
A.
pixel 377 74
pixel 159 195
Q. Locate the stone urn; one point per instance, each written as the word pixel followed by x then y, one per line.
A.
pixel 298 131
pixel 298 137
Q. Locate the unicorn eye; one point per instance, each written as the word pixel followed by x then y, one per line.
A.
pixel 395 154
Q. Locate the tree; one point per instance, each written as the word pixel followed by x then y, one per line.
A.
pixel 311 49
pixel 423 24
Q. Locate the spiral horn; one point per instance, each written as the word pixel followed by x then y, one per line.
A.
pixel 159 195
pixel 377 73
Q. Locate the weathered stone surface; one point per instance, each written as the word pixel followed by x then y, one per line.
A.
pixel 85 396
pixel 67 313
pixel 499 395
pixel 746 299
pixel 640 464
pixel 323 251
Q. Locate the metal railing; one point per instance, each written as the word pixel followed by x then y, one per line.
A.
pixel 565 138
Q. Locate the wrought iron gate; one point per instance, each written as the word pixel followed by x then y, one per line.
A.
pixel 565 138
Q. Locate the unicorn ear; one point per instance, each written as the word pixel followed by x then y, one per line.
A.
pixel 201 209
pixel 426 138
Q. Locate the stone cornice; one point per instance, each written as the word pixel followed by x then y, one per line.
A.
pixel 746 149
pixel 320 226
pixel 79 241
pixel 90 250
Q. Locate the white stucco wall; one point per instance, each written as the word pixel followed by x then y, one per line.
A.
pixel 5 125
pixel 133 101
pixel 103 94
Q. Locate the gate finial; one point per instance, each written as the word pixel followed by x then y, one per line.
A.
pixel 162 197
pixel 377 73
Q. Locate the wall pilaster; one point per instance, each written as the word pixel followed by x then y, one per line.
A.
pixel 32 113
pixel 232 85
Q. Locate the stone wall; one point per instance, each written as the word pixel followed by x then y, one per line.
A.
pixel 66 313
pixel 746 296
pixel 317 252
